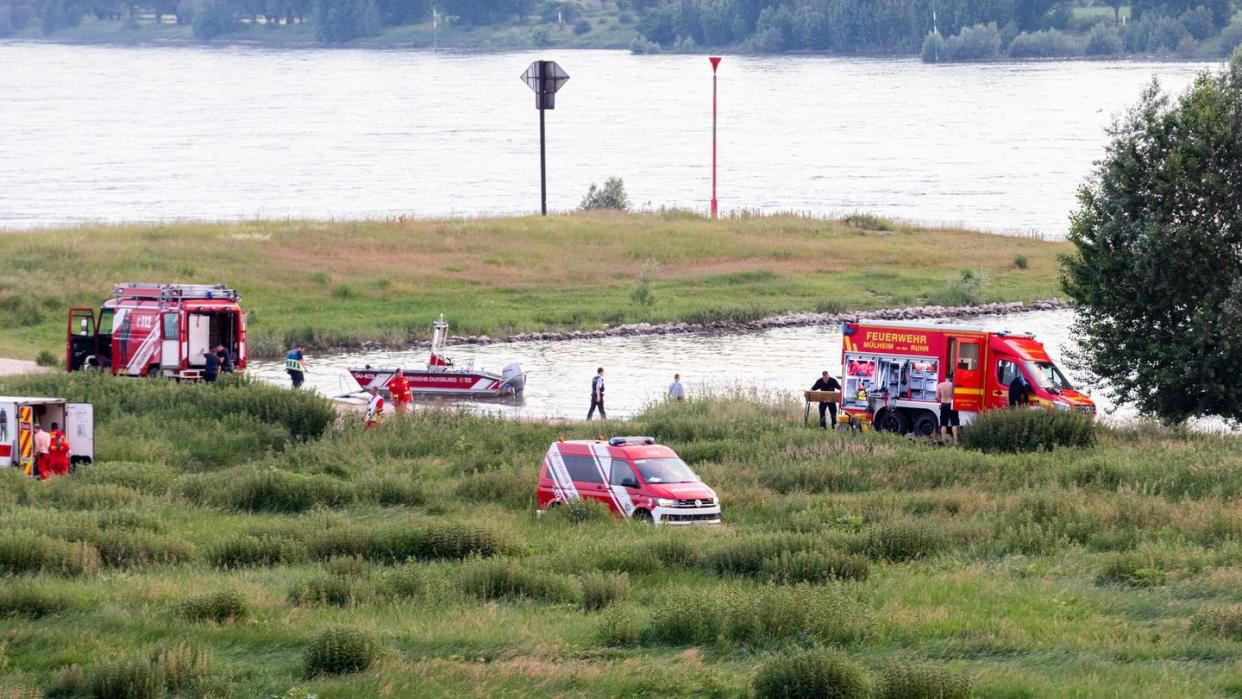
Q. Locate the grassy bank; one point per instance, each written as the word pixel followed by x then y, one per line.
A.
pixel 1104 571
pixel 333 283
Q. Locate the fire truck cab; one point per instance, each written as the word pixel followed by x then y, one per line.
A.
pixel 891 370
pixel 157 329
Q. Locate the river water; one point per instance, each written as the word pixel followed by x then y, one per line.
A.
pixel 638 370
pixel 100 133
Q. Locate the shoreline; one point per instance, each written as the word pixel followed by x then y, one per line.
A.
pixel 784 320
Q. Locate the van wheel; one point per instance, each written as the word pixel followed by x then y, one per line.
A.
pixel 153 371
pixel 642 516
pixel 894 421
pixel 926 424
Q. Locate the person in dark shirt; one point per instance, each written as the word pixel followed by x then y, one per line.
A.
pixel 826 383
pixel 597 395
pixel 226 359
pixel 211 366
pixel 1019 391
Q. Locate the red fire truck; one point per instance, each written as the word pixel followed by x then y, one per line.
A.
pixel 157 329
pixel 891 370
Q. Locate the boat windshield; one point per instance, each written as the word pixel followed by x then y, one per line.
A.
pixel 665 470
pixel 1047 375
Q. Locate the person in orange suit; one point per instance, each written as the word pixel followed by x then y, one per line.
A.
pixel 58 452
pixel 399 389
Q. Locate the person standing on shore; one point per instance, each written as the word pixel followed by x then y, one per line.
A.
pixel 948 416
pixel 375 408
pixel 399 389
pixel 826 383
pixel 597 395
pixel 295 365
pixel 675 390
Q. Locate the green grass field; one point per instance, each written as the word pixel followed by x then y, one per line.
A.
pixel 342 283
pixel 224 528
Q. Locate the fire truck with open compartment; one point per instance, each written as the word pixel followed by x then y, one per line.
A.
pixel 157 329
pixel 891 369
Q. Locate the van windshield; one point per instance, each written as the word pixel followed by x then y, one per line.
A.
pixel 665 470
pixel 1047 375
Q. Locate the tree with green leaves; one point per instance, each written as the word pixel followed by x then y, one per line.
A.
pixel 1156 271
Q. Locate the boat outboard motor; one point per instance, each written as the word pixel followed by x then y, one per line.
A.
pixel 513 377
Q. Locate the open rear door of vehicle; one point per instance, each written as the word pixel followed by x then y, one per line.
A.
pixel 80 337
pixel 80 431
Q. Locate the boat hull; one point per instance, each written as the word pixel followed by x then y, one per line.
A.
pixel 478 384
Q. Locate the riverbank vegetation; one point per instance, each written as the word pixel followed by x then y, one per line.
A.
pixel 343 283
pixel 1013 28
pixel 406 561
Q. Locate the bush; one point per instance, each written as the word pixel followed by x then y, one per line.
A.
pixel 1224 621
pixel 129 678
pixel 933 48
pixel 1052 43
pixel 281 491
pixel 47 359
pixel 600 590
pixel 812 674
pixel 980 42
pixel 815 567
pixel 339 651
pixel 246 550
pixel 1133 568
pixel 610 196
pixel 216 18
pixel 28 598
pixel 966 290
pixel 503 579
pixel 221 607
pixel 905 540
pixel 1028 430
pixel 906 680
pixel 582 26
pixel 1021 261
pixel 332 590
pixel 24 551
pixel 1104 40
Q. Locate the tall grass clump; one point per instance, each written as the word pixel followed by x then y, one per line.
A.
pixel 966 290
pixel 598 590
pixel 25 551
pixel 1220 620
pixel 1029 430
pixel 499 579
pixel 905 540
pixel 1133 569
pixel 183 666
pixel 397 542
pixel 223 606
pixel 914 680
pixel 815 567
pixel 246 550
pixel 123 549
pixel 126 678
pixel 579 511
pixel 814 674
pixel 340 651
pixel 281 491
pixel 33 598
pixel 757 616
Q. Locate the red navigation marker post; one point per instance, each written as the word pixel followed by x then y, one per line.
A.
pixel 715 62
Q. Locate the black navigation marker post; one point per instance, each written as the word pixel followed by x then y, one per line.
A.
pixel 545 78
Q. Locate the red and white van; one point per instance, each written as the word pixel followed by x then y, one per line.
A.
pixel 891 370
pixel 153 329
pixel 633 476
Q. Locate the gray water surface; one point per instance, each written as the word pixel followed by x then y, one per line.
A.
pixel 100 133
pixel 638 370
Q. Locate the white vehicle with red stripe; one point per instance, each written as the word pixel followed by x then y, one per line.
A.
pixel 633 476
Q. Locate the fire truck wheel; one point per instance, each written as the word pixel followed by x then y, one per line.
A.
pixel 926 424
pixel 893 421
pixel 642 516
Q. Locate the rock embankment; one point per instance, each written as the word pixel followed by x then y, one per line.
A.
pixel 788 320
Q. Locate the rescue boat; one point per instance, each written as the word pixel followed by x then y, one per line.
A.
pixel 443 377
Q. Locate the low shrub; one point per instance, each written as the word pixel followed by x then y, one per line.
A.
pixel 504 579
pixel 598 590
pixel 1028 430
pixel 612 195
pixel 46 358
pixel 221 607
pixel 340 651
pixel 182 665
pixel 911 680
pixel 905 540
pixel 246 550
pixel 758 616
pixel 1133 568
pixel 281 491
pixel 24 551
pixel 513 487
pixel 815 567
pixel 811 674
pixel 335 590
pixel 32 599
pixel 748 555
pixel 128 678
pixel 1052 43
pixel 1224 621
pixel 1021 261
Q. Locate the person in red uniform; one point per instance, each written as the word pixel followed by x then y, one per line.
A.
pixel 375 408
pixel 399 389
pixel 58 452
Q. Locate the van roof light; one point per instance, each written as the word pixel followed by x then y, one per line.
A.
pixel 626 441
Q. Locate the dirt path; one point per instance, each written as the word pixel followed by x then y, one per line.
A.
pixel 17 367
